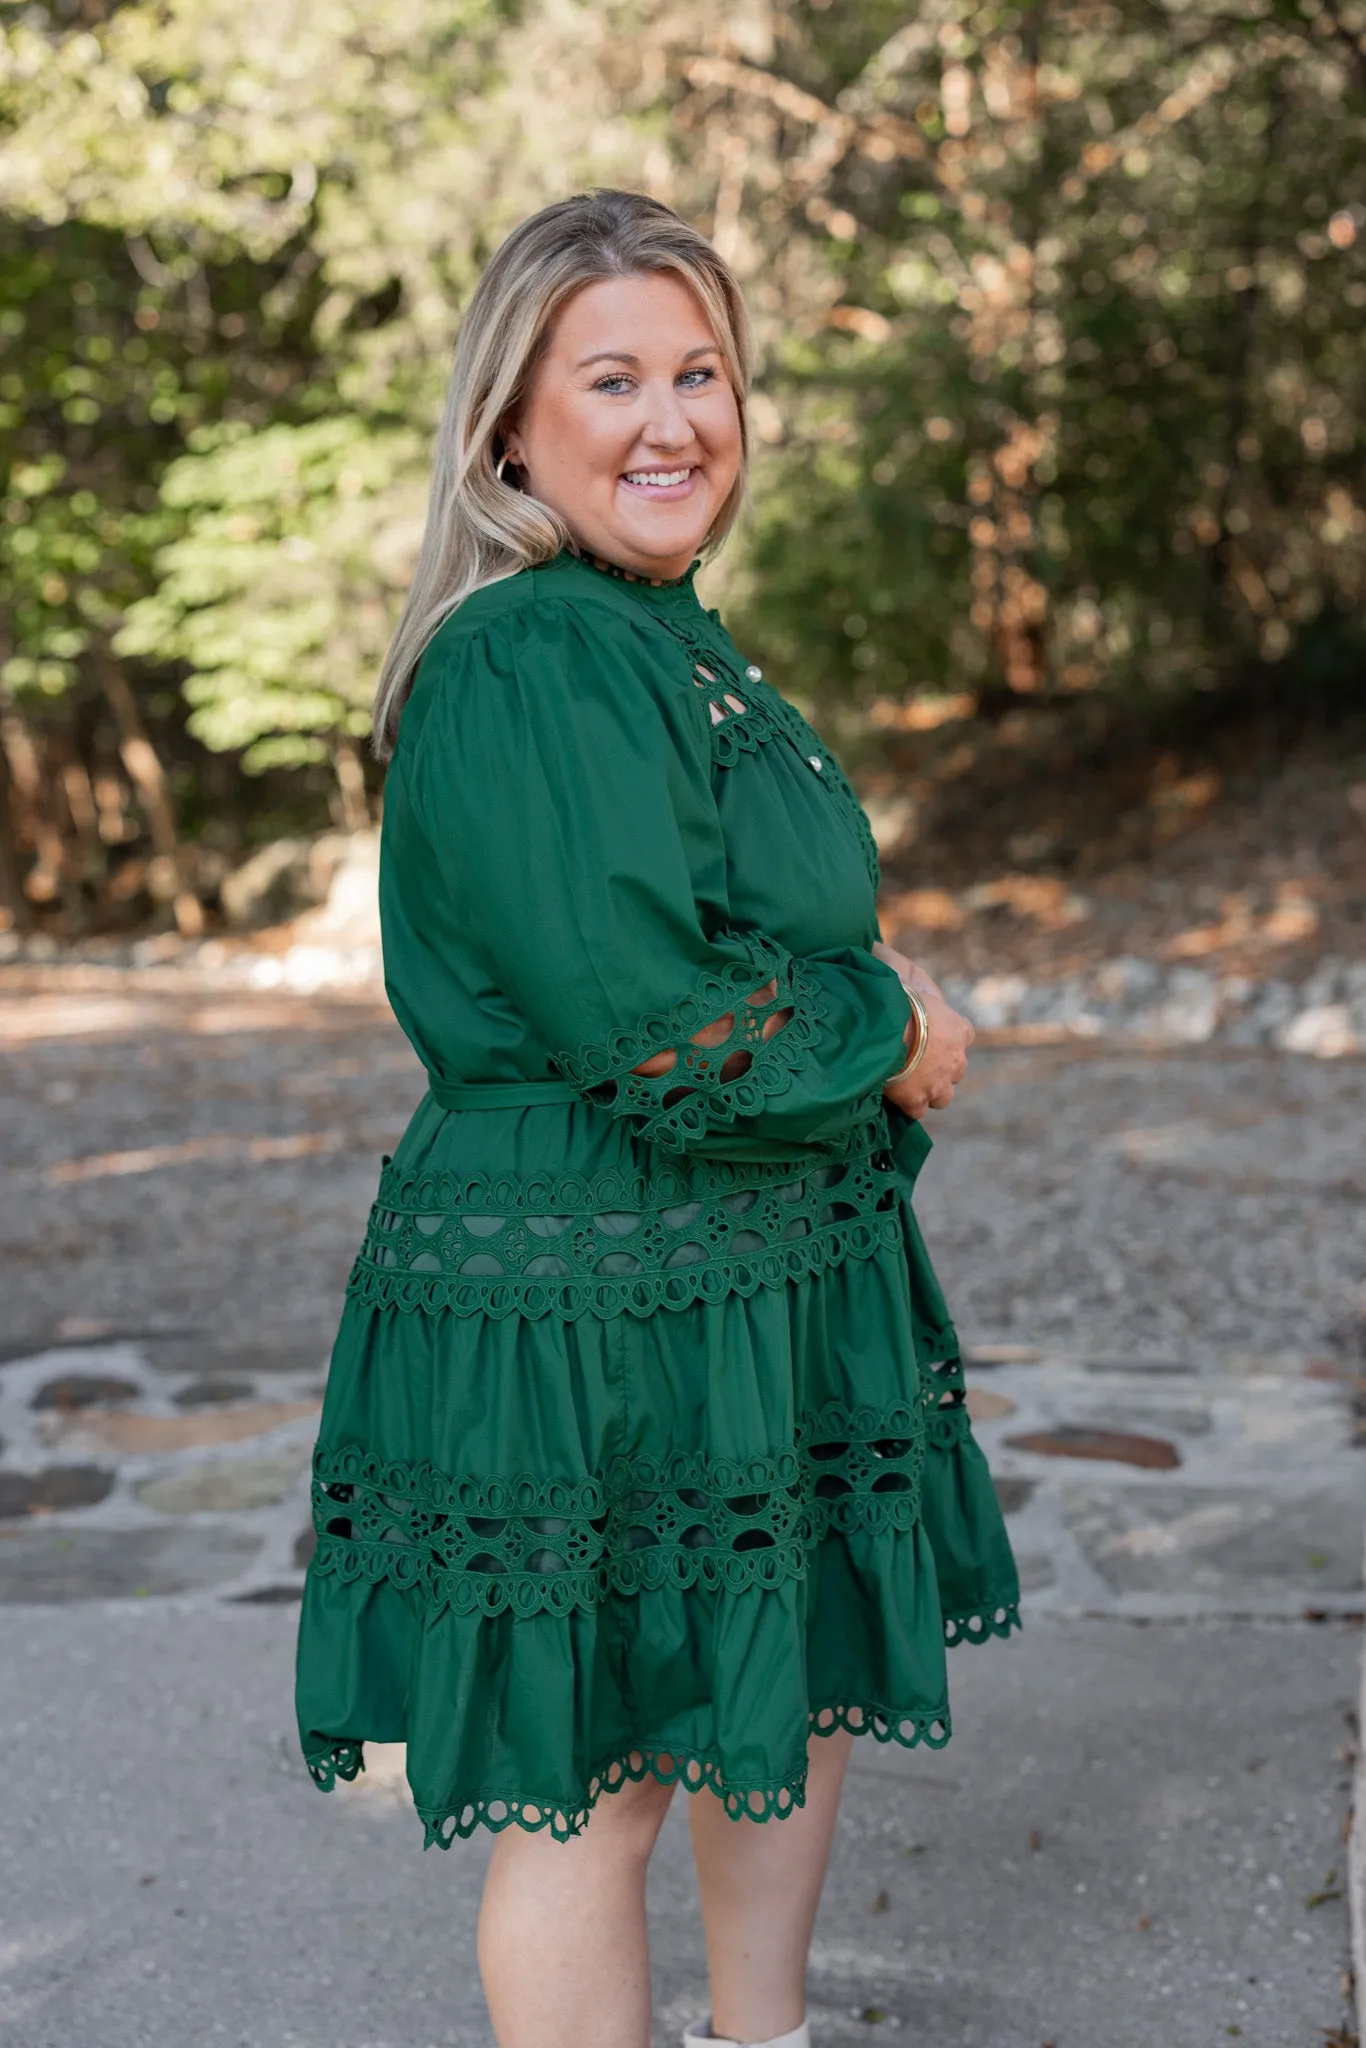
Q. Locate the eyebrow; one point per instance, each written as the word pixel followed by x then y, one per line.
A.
pixel 619 355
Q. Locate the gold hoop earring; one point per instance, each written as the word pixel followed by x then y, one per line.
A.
pixel 499 466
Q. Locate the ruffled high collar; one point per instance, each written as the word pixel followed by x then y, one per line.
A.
pixel 665 592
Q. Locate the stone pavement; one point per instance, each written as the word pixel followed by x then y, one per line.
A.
pixel 1135 1836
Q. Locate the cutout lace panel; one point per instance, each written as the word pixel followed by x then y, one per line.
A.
pixel 935 1342
pixel 526 1546
pixel 614 1242
pixel 748 713
pixel 736 1040
pixel 944 1398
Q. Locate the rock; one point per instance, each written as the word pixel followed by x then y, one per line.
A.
pixel 1143 1365
pixel 1036 1571
pixel 984 1406
pixel 1326 1030
pixel 131 1434
pixel 1224 1543
pixel 982 1357
pixel 305 1543
pixel 208 1393
pixel 61 1486
pixel 269 885
pixel 893 821
pixel 338 944
pixel 1189 1012
pixel 49 1563
pixel 85 1390
pixel 186 1352
pixel 1129 998
pixel 267 1596
pixel 1166 1421
pixel 1014 1494
pixel 228 1485
pixel 995 1000
pixel 1121 1447
pixel 1126 980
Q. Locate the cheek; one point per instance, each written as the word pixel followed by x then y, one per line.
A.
pixel 582 441
pixel 721 433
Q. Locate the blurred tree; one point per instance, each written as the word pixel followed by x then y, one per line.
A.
pixel 1060 307
pixel 1081 408
pixel 242 238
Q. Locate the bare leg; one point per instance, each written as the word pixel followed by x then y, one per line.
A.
pixel 563 1950
pixel 761 1884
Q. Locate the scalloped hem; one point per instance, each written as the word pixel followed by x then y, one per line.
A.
pixel 691 1769
pixel 980 1624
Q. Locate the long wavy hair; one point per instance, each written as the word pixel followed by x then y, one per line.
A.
pixel 480 528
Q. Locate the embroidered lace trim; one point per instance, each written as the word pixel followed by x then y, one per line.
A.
pixel 944 1399
pixel 979 1625
pixel 693 1769
pixel 529 1546
pixel 614 1242
pixel 750 712
pixel 708 1085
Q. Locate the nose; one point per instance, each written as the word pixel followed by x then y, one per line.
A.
pixel 667 425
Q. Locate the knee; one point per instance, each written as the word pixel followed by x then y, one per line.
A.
pixel 627 1820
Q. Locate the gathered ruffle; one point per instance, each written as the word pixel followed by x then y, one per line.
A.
pixel 695 1772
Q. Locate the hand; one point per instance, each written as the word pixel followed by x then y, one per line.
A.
pixel 932 1083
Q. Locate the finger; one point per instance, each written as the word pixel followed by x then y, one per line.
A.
pixel 940 1098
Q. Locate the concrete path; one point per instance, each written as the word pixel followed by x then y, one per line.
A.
pixel 1134 1839
pixel 1136 1835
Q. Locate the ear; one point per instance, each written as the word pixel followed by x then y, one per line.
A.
pixel 512 445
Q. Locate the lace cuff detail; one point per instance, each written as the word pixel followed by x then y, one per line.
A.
pixel 753 1049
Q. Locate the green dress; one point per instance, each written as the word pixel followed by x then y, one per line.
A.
pixel 644 1449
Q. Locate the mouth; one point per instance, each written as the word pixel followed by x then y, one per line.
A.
pixel 661 483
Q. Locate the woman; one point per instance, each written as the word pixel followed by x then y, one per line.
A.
pixel 643 1459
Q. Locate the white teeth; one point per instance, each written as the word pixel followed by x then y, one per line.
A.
pixel 659 477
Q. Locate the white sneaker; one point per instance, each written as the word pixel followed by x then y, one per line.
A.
pixel 701 2036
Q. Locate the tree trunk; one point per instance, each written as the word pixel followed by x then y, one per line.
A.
pixel 352 805
pixel 32 817
pixel 13 902
pixel 149 779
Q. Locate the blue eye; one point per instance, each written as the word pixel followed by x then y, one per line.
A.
pixel 616 382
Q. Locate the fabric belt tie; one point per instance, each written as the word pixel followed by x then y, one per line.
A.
pixel 501 1094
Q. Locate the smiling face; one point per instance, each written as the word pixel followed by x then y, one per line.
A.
pixel 630 430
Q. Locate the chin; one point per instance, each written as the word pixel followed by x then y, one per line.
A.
pixel 659 540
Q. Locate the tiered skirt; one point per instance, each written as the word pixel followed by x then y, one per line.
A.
pixel 558 1552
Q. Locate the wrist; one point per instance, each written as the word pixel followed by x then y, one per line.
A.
pixel 919 1043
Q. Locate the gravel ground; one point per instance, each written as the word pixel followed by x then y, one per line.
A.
pixel 197 1170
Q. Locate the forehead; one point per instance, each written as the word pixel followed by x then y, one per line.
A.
pixel 636 315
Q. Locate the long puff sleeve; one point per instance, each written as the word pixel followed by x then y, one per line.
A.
pixel 564 784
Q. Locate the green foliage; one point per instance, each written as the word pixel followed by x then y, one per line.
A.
pixel 280 592
pixel 1060 309
pixel 1089 413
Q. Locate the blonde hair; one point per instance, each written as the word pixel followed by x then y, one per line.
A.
pixel 480 528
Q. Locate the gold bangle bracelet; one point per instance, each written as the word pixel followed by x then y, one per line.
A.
pixel 922 1038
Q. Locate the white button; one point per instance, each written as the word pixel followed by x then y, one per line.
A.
pixel 756 675
pixel 816 762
